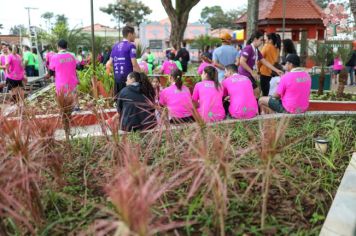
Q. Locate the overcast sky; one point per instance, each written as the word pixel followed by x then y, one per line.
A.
pixel 78 11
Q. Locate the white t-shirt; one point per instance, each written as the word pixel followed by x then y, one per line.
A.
pixel 273 84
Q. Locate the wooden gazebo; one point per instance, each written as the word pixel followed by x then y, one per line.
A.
pixel 300 15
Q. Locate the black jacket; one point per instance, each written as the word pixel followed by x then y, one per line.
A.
pixel 352 61
pixel 135 111
pixel 184 54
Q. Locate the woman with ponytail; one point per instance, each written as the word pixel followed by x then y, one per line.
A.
pixel 177 99
pixel 135 103
pixel 209 95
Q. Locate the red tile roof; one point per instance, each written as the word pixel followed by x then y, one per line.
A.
pixel 295 9
pixel 99 27
pixel 10 39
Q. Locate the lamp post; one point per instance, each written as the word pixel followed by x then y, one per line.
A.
pixel 284 20
pixel 94 79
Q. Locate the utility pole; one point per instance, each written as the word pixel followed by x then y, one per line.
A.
pixel 28 12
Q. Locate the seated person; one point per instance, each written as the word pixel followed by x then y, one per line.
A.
pixel 293 90
pixel 209 96
pixel 205 62
pixel 243 104
pixel 169 66
pixel 134 103
pixel 177 99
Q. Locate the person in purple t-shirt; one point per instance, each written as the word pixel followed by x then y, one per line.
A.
pixel 123 59
pixel 249 59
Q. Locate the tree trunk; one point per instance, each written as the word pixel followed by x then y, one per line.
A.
pixel 179 19
pixel 353 9
pixel 252 17
pixel 303 48
pixel 342 82
pixel 321 81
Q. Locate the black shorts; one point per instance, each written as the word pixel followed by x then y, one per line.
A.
pixel 13 83
pixel 276 105
pixel 178 121
pixel 253 81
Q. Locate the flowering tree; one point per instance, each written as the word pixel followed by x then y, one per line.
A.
pixel 335 15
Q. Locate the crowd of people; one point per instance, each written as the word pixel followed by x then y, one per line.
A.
pixel 237 82
pixel 231 84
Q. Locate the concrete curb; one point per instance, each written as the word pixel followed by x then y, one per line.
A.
pixel 96 131
pixel 341 219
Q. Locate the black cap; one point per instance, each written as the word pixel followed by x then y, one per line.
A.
pixel 294 59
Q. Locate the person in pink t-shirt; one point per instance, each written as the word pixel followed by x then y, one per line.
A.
pixel 337 67
pixel 209 95
pixel 169 66
pixel 206 62
pixel 3 56
pixel 239 89
pixel 143 65
pixel 15 74
pixel 177 99
pixel 293 90
pixel 63 67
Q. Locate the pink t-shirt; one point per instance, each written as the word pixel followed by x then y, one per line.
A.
pixel 16 70
pixel 210 101
pixel 243 104
pixel 168 66
pixel 294 89
pixel 202 67
pixel 49 55
pixel 144 67
pixel 337 64
pixel 178 102
pixel 64 65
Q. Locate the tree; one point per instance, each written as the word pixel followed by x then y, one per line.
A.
pixel 128 11
pixel 179 18
pixel 74 37
pixel 252 16
pixel 322 3
pixel 16 29
pixel 353 9
pixel 1 26
pixel 48 16
pixel 217 18
pixel 202 41
pixel 61 19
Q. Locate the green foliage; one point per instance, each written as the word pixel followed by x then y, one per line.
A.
pixel 128 11
pixel 320 53
pixel 15 30
pixel 140 50
pixel 74 37
pixel 85 76
pixel 205 40
pixel 217 18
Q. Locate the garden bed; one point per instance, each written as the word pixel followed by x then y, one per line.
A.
pixel 195 180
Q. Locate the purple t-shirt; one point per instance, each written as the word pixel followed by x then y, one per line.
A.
pixel 250 54
pixel 121 55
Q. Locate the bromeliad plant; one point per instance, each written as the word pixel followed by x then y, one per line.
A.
pixel 85 79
